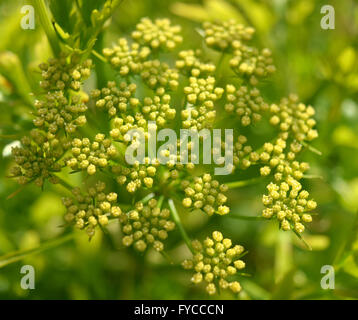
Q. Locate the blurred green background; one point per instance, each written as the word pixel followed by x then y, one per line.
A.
pixel 319 65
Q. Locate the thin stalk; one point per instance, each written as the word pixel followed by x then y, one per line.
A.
pixel 283 256
pixel 11 136
pixel 64 183
pixel 166 257
pixel 147 198
pixel 219 65
pixel 160 202
pixel 220 61
pixel 99 56
pixel 45 20
pixel 100 65
pixel 250 218
pixel 310 148
pixel 303 240
pixel 178 222
pixel 10 196
pixel 11 68
pixel 243 183
pixel 312 176
pixel 347 247
pixel 22 254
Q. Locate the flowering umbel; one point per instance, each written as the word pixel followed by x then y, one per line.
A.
pixel 157 82
pixel 215 261
pixel 146 225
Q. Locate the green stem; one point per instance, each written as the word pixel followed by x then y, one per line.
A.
pixel 99 56
pixel 166 257
pixel 251 218
pixel 310 148
pixel 11 136
pixel 303 240
pixel 147 198
pixel 11 68
pixel 347 246
pixel 283 256
pixel 21 254
pixel 100 64
pixel 177 221
pixel 243 183
pixel 64 183
pixel 219 64
pixel 312 176
pixel 160 202
pixel 45 20
pixel 19 190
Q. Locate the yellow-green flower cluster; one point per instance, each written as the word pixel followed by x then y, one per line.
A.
pixel 273 155
pixel 246 103
pixel 270 155
pixel 157 75
pixel 201 93
pixel 90 156
pixel 55 111
pixel 116 99
pixel 158 109
pixel 91 209
pixel 157 34
pixel 190 63
pixel 146 225
pixel 120 126
pixel 286 201
pixel 206 194
pixel 136 176
pixel 295 117
pixel 215 261
pixel 289 204
pixel 126 58
pixel 244 156
pixel 226 34
pixel 64 73
pixel 37 158
pixel 250 61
